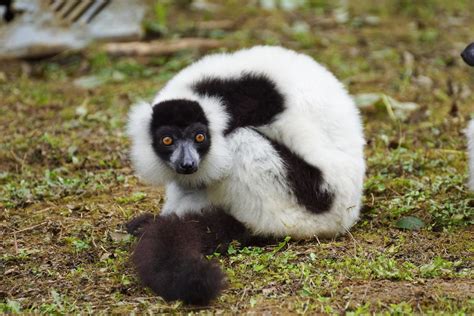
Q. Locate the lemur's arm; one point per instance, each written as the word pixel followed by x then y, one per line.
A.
pixel 182 201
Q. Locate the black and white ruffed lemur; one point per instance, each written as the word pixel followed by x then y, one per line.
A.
pixel 260 143
pixel 468 56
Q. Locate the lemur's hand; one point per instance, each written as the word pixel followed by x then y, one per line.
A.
pixel 468 55
pixel 136 226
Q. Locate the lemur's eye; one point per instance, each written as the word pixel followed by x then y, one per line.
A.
pixel 167 140
pixel 199 138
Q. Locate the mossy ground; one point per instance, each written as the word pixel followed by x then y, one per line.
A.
pixel 67 186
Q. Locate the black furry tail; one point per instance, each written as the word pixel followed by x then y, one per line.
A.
pixel 169 256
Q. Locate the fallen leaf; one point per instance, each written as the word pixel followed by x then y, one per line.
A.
pixel 116 236
pixel 89 82
pixel 410 223
pixel 395 109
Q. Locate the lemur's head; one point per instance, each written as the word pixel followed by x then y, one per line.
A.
pixel 179 132
pixel 468 54
pixel 179 140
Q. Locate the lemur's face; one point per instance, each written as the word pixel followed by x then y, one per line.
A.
pixel 180 134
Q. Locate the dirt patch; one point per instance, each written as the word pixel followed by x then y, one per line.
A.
pixel 416 293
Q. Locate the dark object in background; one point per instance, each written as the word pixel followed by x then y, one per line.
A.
pixel 468 54
pixel 8 15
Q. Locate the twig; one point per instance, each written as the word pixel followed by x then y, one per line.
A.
pixel 123 211
pixel 353 240
pixel 243 294
pixel 15 243
pixel 28 228
pixel 449 151
pixel 317 239
pixel 215 24
pixel 93 240
pixel 45 209
pixel 16 158
pixel 156 48
pixel 366 290
pixel 346 306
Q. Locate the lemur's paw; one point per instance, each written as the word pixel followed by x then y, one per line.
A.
pixel 136 226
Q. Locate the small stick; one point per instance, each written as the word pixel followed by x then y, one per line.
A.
pixel 15 243
pixel 317 239
pixel 17 159
pixel 366 290
pixel 158 48
pixel 28 228
pixel 353 240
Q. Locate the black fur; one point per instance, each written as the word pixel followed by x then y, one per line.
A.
pixel 136 227
pixel 179 112
pixel 305 181
pixel 468 55
pixel 180 134
pixel 182 120
pixel 8 14
pixel 169 254
pixel 251 100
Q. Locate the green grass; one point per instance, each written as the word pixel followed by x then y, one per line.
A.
pixel 67 187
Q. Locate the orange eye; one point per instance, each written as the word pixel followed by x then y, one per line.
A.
pixel 200 138
pixel 167 140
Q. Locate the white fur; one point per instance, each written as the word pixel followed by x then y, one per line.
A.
pixel 182 148
pixel 243 172
pixel 470 139
pixel 154 171
pixel 181 201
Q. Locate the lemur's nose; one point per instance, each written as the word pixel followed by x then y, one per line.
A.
pixel 187 165
pixel 468 54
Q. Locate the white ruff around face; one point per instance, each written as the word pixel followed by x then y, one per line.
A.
pixel 242 172
pixel 153 170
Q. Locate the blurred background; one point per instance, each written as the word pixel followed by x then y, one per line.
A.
pixel 70 70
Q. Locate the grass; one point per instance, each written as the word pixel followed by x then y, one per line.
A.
pixel 66 186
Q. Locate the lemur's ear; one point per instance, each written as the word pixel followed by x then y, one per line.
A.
pixel 468 54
